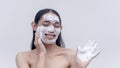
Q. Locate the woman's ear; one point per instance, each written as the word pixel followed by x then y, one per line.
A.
pixel 34 26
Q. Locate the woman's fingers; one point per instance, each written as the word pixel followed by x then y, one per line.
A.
pixel 94 55
pixel 89 45
pixel 79 49
pixel 89 52
pixel 38 43
pixel 38 36
pixel 93 48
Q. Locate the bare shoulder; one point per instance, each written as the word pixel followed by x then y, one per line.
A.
pixel 22 56
pixel 22 59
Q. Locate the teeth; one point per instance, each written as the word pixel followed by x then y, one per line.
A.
pixel 49 36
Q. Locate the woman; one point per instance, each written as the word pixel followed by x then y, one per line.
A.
pixel 48 50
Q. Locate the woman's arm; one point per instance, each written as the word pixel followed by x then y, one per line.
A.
pixel 41 49
pixel 41 61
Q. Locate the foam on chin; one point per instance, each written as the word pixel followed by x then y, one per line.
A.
pixel 47 41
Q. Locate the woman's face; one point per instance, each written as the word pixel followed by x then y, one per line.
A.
pixel 50 28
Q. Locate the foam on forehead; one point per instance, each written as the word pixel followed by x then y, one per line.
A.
pixel 51 17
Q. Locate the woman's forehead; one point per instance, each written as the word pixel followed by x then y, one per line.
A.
pixel 51 17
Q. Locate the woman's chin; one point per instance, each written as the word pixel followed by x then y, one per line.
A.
pixel 49 41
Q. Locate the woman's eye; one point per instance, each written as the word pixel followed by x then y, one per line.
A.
pixel 57 25
pixel 46 23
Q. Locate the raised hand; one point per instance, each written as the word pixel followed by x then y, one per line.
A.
pixel 38 43
pixel 87 53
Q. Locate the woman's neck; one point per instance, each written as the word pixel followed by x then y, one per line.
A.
pixel 51 47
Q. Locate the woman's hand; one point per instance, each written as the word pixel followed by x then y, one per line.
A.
pixel 87 53
pixel 38 43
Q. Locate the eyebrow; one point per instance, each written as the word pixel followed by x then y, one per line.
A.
pixel 50 21
pixel 46 20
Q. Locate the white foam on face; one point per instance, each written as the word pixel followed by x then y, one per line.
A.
pixel 49 29
pixel 46 30
pixel 51 17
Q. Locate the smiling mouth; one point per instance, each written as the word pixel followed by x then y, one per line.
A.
pixel 50 36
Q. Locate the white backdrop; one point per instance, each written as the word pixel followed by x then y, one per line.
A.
pixel 83 20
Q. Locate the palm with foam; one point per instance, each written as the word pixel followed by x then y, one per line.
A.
pixel 87 53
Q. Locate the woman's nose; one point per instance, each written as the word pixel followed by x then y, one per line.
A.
pixel 51 28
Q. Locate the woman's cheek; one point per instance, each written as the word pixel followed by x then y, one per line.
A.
pixel 42 30
pixel 58 30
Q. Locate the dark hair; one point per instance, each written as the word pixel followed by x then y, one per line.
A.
pixel 38 17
